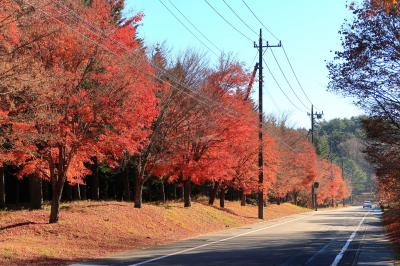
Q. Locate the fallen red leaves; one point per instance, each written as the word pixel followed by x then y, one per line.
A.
pixel 93 229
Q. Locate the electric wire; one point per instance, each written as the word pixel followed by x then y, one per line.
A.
pixel 286 79
pixel 171 78
pixel 187 28
pixel 234 28
pixel 207 104
pixel 273 101
pixel 230 24
pixel 295 75
pixel 237 15
pixel 284 51
pixel 280 88
pixel 254 59
pixel 265 27
pixel 280 68
pixel 195 27
pixel 205 101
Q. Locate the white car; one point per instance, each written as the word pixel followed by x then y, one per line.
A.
pixel 367 204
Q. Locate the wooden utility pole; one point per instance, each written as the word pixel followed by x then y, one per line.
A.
pixel 260 48
pixel 314 115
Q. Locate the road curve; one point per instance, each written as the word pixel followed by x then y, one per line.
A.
pixel 348 236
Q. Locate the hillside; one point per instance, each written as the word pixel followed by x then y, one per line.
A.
pixel 342 140
pixel 95 229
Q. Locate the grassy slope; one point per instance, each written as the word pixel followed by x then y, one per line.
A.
pixel 92 229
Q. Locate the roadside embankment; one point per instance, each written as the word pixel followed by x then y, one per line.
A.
pixel 90 229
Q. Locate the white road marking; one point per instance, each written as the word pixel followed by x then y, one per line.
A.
pixel 339 256
pixel 218 241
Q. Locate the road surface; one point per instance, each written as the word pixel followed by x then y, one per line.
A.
pixel 348 236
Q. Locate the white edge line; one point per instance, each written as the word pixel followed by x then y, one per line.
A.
pixel 339 256
pixel 218 241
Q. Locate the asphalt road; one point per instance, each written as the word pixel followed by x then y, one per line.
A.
pixel 349 236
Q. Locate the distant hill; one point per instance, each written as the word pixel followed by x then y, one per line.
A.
pixel 343 140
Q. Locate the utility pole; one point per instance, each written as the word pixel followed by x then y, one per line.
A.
pixel 313 196
pixel 260 48
pixel 312 124
pixel 331 159
pixel 314 115
pixel 342 168
pixel 343 178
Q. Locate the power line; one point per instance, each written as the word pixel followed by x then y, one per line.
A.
pixel 265 27
pixel 273 101
pixel 186 27
pixel 267 92
pixel 237 15
pixel 287 145
pixel 286 79
pixel 254 59
pixel 205 100
pixel 228 110
pixel 283 48
pixel 230 24
pixel 207 104
pixel 171 78
pixel 294 73
pixel 195 27
pixel 280 88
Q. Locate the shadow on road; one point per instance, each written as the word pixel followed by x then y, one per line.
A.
pixel 294 246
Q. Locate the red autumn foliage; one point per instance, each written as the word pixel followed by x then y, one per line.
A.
pixel 91 104
pixel 91 94
pixel 332 185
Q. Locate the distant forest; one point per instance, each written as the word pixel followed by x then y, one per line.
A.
pixel 343 141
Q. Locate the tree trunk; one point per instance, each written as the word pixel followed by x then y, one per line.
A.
pixel 163 190
pixel 67 191
pixel 138 192
pixel 222 198
pixel 57 187
pixel 17 191
pixel 175 185
pixel 76 192
pixel 213 193
pixel 36 194
pixel 279 201
pixel 96 182
pixel 2 188
pixel 126 193
pixel 45 191
pixel 186 193
pixel 82 191
pixel 243 199
pixel 295 197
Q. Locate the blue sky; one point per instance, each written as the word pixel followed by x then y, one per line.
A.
pixel 307 28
